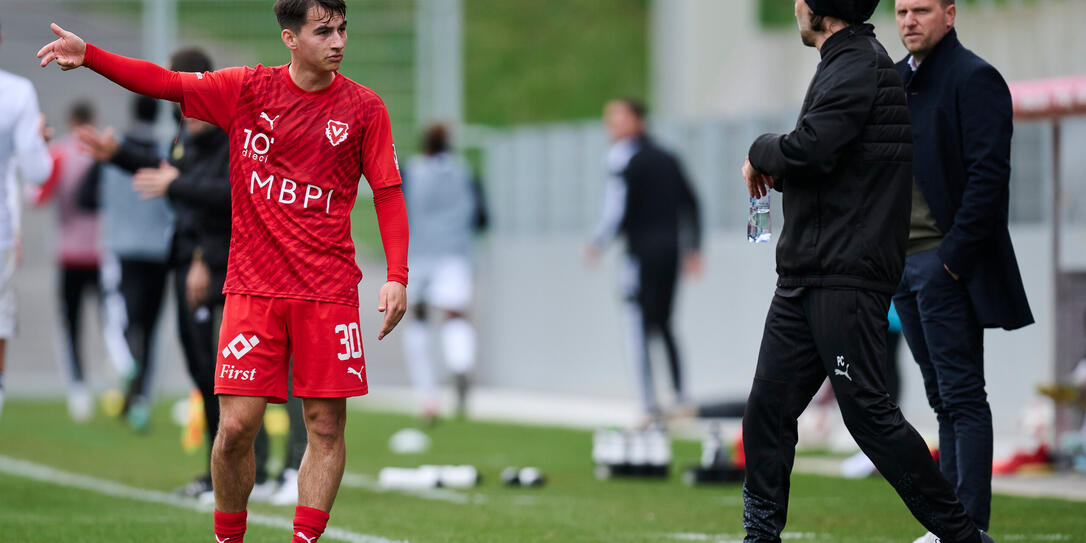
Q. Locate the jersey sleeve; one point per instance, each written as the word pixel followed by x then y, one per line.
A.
pixel 31 154
pixel 212 96
pixel 379 162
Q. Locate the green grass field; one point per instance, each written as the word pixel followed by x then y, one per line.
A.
pixel 572 507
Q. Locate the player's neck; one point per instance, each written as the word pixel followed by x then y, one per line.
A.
pixel 308 79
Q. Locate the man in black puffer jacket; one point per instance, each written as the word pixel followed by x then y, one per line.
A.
pixel 845 175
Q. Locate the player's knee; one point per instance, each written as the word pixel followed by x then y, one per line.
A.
pixel 325 428
pixel 235 436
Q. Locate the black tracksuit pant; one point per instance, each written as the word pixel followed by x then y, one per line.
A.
pixel 812 333
pixel 143 287
pixel 653 277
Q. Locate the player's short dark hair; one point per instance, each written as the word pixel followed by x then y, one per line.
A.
pixel 190 59
pixel 292 14
pixel 435 139
pixel 82 112
pixel 144 108
pixel 636 106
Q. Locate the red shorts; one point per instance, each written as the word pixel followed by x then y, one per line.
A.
pixel 259 335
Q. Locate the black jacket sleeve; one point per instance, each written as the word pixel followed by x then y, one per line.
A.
pixel 205 187
pixel 132 156
pixel 985 117
pixel 689 213
pixel 842 96
pixel 87 195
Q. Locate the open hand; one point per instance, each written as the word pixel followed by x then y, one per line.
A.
pixel 154 182
pixel 392 301
pixel 69 50
pixel 100 145
pixel 196 283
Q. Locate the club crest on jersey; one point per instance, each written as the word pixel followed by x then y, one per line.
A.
pixel 336 132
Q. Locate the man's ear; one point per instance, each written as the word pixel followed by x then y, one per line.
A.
pixel 290 39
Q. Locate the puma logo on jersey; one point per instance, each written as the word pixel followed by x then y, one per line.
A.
pixel 358 372
pixel 309 539
pixel 336 132
pixel 271 122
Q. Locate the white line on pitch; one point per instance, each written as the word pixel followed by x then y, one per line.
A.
pixel 38 472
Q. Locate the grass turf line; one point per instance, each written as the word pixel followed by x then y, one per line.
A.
pixel 572 507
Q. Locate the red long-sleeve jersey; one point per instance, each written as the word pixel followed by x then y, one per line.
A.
pixel 296 158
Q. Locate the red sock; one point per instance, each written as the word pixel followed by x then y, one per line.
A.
pixel 230 527
pixel 309 524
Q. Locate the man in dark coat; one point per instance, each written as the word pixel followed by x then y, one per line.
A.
pixel 961 275
pixel 844 173
pixel 650 202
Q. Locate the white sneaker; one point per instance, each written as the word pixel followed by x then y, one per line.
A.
pixel 288 490
pixel 857 466
pixel 263 492
pixel 80 406
pixel 927 538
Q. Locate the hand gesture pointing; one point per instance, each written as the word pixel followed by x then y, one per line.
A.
pixel 68 50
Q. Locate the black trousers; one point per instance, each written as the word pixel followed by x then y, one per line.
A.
pixel 74 282
pixel 653 277
pixel 947 342
pixel 143 287
pixel 810 334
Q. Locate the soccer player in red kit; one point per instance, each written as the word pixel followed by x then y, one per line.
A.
pixel 301 137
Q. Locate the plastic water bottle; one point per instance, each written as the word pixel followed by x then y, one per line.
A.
pixel 758 227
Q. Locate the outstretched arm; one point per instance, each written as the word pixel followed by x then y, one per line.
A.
pixel 139 76
pixel 208 96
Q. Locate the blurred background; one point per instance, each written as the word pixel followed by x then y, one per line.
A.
pixel 522 83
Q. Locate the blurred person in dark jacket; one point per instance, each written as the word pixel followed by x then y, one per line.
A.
pixel 650 202
pixel 961 275
pixel 845 174
pixel 136 235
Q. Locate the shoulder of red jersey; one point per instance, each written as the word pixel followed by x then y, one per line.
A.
pixel 367 95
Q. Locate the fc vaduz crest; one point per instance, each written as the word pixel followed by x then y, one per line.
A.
pixel 336 132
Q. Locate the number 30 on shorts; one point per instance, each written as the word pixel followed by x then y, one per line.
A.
pixel 351 340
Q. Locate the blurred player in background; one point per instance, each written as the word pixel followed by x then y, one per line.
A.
pixel 135 242
pixel 78 258
pixel 443 205
pixel 301 136
pixel 650 202
pixel 23 156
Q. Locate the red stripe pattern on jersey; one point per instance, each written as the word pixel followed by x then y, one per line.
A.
pixel 296 158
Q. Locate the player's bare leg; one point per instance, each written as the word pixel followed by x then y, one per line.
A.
pixel 322 465
pixel 233 467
